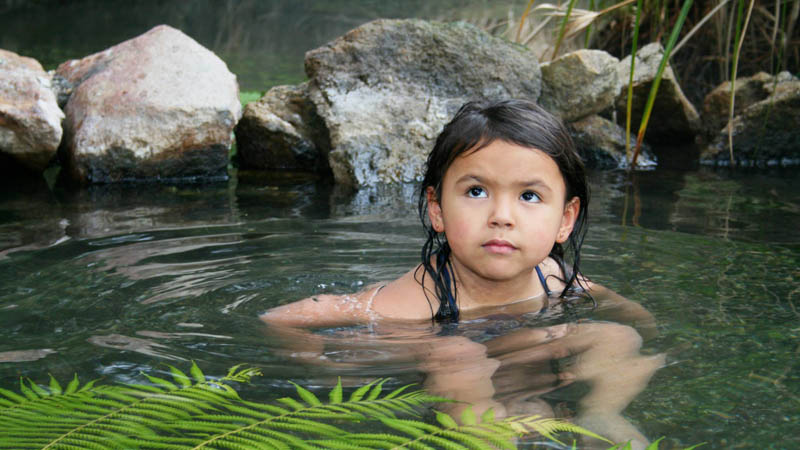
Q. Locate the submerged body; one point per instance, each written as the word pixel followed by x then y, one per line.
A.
pixel 504 195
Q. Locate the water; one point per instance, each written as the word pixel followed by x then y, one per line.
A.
pixel 111 281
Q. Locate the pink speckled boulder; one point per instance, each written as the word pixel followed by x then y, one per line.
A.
pixel 156 107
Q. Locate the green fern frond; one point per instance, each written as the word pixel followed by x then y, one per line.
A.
pixel 193 411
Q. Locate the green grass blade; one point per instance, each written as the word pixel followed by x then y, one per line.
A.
pixel 523 18
pixel 651 98
pixel 563 28
pixel 740 32
pixel 629 105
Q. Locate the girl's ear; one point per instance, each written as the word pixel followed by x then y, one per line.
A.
pixel 434 210
pixel 571 211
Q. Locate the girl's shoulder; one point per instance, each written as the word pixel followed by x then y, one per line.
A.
pixel 401 299
pixel 404 299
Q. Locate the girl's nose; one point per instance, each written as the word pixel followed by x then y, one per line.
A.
pixel 501 215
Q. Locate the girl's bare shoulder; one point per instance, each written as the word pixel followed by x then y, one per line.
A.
pixel 401 299
pixel 404 298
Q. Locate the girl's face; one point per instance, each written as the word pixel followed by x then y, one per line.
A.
pixel 502 208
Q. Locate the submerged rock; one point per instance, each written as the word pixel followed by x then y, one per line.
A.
pixel 159 106
pixel 764 133
pixel 282 130
pixel 673 119
pixel 601 144
pixel 385 89
pixel 580 84
pixel 30 120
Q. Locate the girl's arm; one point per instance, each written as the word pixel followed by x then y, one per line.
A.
pixel 616 308
pixel 291 325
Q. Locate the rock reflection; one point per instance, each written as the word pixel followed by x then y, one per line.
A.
pixel 143 346
pixel 25 355
pixel 188 276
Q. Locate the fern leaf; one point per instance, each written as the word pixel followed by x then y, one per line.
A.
pixel 345 445
pixel 371 410
pixel 488 416
pixel 335 396
pixel 547 427
pixel 267 407
pixel 73 385
pixel 444 443
pixel 88 386
pixel 468 440
pixel 197 374
pixel 292 403
pixel 499 440
pixel 376 390
pixel 446 420
pixel 468 417
pixel 27 392
pixel 404 426
pixel 654 445
pixel 55 388
pixel 13 396
pixel 358 394
pixel 179 376
pixel 397 391
pixel 307 395
pixel 40 391
pixel 161 382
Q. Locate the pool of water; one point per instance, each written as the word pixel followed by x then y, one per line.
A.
pixel 111 281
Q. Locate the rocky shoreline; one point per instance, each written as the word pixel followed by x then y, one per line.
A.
pixel 162 107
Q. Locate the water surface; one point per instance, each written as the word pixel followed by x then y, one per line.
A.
pixel 113 280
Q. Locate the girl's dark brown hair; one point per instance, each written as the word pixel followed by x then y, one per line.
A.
pixel 476 125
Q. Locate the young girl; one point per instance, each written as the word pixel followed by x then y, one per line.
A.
pixel 503 203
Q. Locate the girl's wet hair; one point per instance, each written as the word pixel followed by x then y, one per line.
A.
pixel 476 125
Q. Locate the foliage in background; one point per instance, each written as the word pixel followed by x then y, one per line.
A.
pixel 246 97
pixel 195 411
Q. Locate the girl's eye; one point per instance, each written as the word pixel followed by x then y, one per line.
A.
pixel 476 192
pixel 531 197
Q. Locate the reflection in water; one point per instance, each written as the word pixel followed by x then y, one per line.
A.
pixel 514 359
pixel 143 346
pixel 25 355
pixel 153 273
pixel 528 371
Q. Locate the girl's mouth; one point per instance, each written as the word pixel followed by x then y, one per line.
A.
pixel 499 246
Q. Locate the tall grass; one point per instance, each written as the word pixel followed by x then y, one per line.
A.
pixel 629 102
pixel 740 31
pixel 648 109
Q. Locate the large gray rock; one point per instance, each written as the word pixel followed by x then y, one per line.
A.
pixel 159 106
pixel 673 119
pixel 601 144
pixel 580 84
pixel 30 120
pixel 282 130
pixel 386 89
pixel 765 133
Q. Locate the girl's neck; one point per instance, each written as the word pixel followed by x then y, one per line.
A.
pixel 475 291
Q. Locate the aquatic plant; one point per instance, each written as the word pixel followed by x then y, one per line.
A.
pixel 196 411
pixel 651 97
